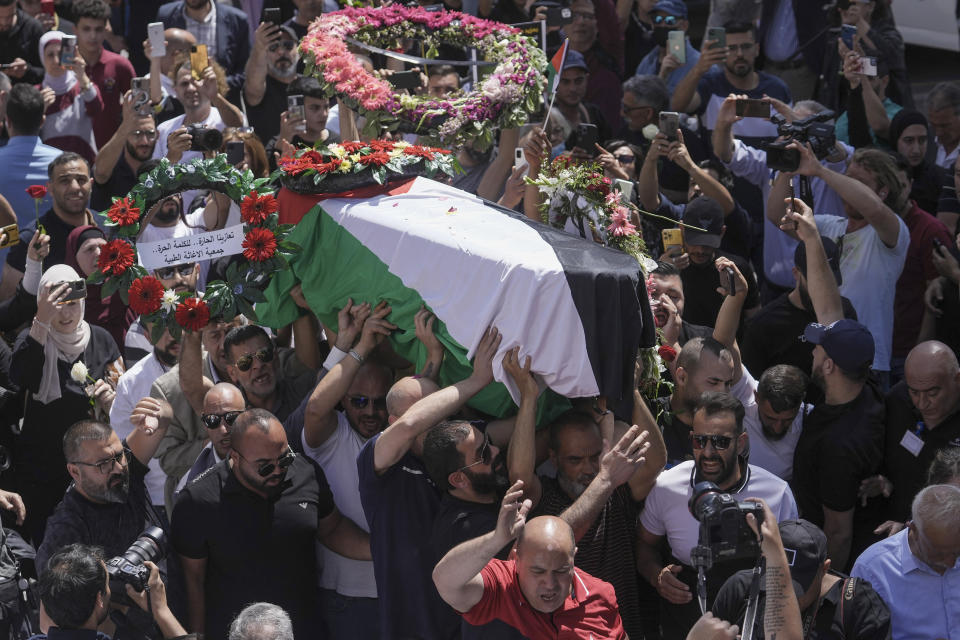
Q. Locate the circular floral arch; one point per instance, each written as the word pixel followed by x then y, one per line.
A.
pixel 265 250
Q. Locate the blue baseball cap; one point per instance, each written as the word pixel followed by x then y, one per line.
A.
pixel 676 8
pixel 574 60
pixel 847 342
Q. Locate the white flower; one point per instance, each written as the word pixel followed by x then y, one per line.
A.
pixel 169 300
pixel 649 264
pixel 79 372
pixel 650 131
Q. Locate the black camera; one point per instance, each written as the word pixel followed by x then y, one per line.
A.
pixel 128 568
pixel 203 138
pixel 723 523
pixel 815 129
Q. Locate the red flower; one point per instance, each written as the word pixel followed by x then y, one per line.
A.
pixel 254 209
pixel 115 257
pixel 145 295
pixel 381 145
pixel 123 212
pixel 377 158
pixel 259 245
pixel 420 152
pixel 668 353
pixel 36 191
pixel 353 147
pixel 193 314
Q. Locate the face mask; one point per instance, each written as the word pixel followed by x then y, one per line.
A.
pixel 660 35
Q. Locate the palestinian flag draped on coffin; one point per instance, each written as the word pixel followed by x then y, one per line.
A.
pixel 578 308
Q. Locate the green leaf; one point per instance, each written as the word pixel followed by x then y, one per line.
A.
pixel 253 294
pixel 124 291
pixel 379 174
pixel 110 286
pixel 246 309
pixel 156 332
pixel 176 332
pixel 292 247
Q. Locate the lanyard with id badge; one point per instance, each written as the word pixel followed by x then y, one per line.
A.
pixel 911 440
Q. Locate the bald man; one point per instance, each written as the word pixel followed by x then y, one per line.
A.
pixel 221 406
pixel 539 592
pixel 922 418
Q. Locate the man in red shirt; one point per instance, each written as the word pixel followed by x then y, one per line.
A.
pixel 109 71
pixel 540 593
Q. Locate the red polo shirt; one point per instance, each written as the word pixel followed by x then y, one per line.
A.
pixel 589 613
pixel 112 74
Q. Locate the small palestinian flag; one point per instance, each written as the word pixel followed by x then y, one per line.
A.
pixel 579 309
pixel 556 66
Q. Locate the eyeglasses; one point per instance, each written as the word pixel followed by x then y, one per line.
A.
pixel 105 466
pixel 720 443
pixel 165 273
pixel 288 45
pixel 486 456
pixel 149 134
pixel 263 355
pixel 667 21
pixel 213 420
pixel 362 402
pixel 745 47
pixel 625 158
pixel 264 469
pixel 583 15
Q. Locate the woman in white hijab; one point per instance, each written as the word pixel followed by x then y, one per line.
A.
pixel 69 122
pixel 59 340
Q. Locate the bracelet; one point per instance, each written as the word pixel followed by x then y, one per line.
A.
pixel 45 325
pixel 335 356
pixel 356 356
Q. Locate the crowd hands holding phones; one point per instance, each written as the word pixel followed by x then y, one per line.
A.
pixel 807 295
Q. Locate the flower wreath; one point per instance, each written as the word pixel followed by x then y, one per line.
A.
pixel 265 248
pixel 504 99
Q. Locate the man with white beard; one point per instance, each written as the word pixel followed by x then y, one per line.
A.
pixel 271 68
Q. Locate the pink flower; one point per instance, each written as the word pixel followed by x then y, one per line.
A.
pixel 620 224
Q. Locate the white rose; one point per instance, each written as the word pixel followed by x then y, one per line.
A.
pixel 169 300
pixel 650 131
pixel 79 372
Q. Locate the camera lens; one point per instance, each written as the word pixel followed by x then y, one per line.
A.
pixel 149 546
pixel 702 499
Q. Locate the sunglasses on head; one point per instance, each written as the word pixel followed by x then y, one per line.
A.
pixel 264 469
pixel 213 420
pixel 165 273
pixel 362 402
pixel 667 21
pixel 263 355
pixel 720 443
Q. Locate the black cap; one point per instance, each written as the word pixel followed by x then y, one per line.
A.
pixel 806 548
pixel 833 258
pixel 706 213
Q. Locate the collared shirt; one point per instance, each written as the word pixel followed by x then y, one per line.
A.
pixel 25 160
pixel 650 65
pixel 589 611
pixel 205 31
pixel 923 604
pixel 947 160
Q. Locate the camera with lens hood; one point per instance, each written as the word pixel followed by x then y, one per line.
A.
pixel 128 568
pixel 723 523
pixel 815 129
pixel 204 138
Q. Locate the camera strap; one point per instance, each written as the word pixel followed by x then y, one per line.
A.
pixel 750 617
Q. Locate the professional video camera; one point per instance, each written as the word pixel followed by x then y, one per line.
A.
pixel 128 568
pixel 204 138
pixel 724 531
pixel 815 129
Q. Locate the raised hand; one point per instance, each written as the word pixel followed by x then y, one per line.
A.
pixel 513 513
pixel 483 358
pixel 423 328
pixel 375 328
pixel 624 459
pixel 151 415
pixel 521 375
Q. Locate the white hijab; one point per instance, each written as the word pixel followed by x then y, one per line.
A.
pixel 60 346
pixel 64 83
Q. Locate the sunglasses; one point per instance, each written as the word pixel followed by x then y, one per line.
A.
pixel 667 21
pixel 720 443
pixel 287 46
pixel 149 134
pixel 263 355
pixel 362 402
pixel 486 455
pixel 213 420
pixel 264 469
pixel 625 159
pixel 105 466
pixel 165 273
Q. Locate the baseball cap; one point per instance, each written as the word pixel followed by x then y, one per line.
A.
pixel 806 548
pixel 833 258
pixel 676 8
pixel 847 342
pixel 706 213
pixel 574 60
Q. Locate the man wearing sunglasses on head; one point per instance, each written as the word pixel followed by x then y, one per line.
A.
pixel 667 16
pixel 221 407
pixel 719 444
pixel 246 530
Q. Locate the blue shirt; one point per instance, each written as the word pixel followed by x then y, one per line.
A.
pixel 24 160
pixel 650 65
pixel 923 604
pixel 781 41
pixel 714 89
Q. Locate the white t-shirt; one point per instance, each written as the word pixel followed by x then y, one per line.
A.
pixel 213 121
pixel 776 456
pixel 666 512
pixel 870 271
pixel 338 459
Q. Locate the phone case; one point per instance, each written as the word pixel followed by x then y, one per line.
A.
pixel 676 46
pixel 671 238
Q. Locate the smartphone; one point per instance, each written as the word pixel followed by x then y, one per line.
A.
pixel 868 66
pixel 669 123
pixel 406 79
pixel 46 6
pixel 198 60
pixel 847 32
pixel 155 34
pixel 625 187
pixel 235 152
pixel 677 45
pixel 518 158
pixel 296 110
pixel 672 239
pixel 937 243
pixel 559 16
pixel 140 89
pixel 584 137
pixel 12 233
pixel 748 108
pixel 6 65
pixel 272 14
pixel 730 281
pixel 76 290
pixel 68 50
pixel 719 36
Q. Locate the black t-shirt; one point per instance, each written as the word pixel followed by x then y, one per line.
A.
pixel 257 549
pixel 265 117
pixel 22 41
pixel 118 185
pixel 700 284
pixel 908 472
pixel 840 446
pixel 772 336
pixel 676 432
pixel 57 229
pixel 863 615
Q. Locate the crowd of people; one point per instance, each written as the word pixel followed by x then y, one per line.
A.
pixel 310 482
